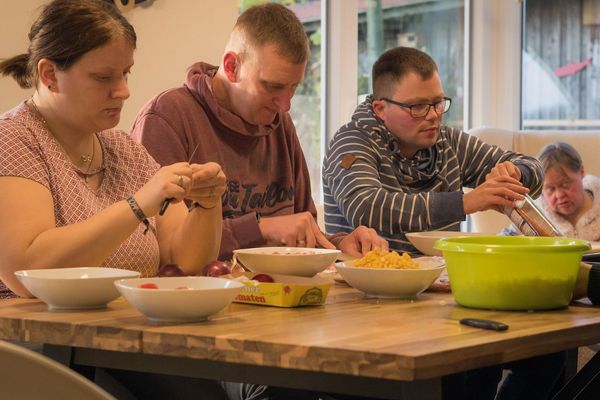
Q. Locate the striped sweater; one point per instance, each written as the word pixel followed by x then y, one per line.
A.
pixel 366 181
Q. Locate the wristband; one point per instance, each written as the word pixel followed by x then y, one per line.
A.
pixel 137 210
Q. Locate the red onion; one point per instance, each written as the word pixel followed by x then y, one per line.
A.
pixel 216 268
pixel 263 278
pixel 171 270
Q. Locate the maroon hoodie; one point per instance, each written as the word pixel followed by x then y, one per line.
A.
pixel 265 167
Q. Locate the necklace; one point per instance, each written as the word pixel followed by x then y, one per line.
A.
pixel 86 158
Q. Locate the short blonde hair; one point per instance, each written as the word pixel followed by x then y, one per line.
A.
pixel 273 23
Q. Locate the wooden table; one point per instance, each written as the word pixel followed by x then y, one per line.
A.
pixel 391 349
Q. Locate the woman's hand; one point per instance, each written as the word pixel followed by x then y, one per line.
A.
pixel 207 184
pixel 169 182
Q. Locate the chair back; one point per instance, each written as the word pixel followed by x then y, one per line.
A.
pixel 28 375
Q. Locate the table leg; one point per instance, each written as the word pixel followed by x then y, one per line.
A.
pixel 65 355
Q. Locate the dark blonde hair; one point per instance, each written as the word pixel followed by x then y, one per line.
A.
pixel 273 23
pixel 63 33
pixel 560 155
pixel 395 64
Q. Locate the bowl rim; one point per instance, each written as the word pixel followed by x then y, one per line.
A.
pixel 24 273
pixel 119 283
pixel 428 234
pixel 434 259
pixel 462 244
pixel 412 270
pixel 260 250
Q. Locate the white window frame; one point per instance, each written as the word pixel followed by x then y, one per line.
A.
pixel 495 64
pixel 493 43
pixel 340 75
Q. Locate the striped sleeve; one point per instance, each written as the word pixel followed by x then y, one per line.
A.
pixel 477 158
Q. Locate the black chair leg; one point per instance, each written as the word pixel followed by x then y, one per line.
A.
pixel 585 385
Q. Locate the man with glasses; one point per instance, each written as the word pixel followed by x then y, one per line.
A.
pixel 395 168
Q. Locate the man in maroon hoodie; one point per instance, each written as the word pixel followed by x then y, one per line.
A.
pixel 238 114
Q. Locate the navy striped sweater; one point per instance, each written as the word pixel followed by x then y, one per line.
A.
pixel 394 195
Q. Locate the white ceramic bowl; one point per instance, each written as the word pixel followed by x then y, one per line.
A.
pixel 393 283
pixel 424 241
pixel 179 299
pixel 299 261
pixel 74 288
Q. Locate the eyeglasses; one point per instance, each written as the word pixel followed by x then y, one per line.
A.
pixel 421 110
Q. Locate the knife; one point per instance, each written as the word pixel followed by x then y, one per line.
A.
pixel 484 324
pixel 167 201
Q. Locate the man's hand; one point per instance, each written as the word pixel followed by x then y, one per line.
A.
pixel 495 193
pixel 505 168
pixel 299 230
pixel 362 240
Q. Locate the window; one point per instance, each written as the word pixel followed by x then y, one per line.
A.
pixel 306 104
pixel 433 26
pixel 561 65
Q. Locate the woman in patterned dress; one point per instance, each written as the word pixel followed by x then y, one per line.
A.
pixel 75 192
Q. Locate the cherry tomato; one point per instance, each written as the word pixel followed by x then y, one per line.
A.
pixel 148 285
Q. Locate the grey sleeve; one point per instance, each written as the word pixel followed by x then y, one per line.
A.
pixel 477 159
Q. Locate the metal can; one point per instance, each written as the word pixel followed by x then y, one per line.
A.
pixel 530 220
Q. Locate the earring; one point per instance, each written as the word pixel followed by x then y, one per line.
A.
pixel 51 86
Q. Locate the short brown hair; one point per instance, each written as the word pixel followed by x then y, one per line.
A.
pixel 63 33
pixel 560 155
pixel 273 23
pixel 395 64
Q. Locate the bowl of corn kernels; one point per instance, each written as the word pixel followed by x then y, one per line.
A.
pixel 387 274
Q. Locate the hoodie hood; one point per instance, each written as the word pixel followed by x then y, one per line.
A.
pixel 199 82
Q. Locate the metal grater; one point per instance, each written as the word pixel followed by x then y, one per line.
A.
pixel 530 220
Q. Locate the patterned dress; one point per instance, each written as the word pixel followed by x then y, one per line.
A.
pixel 28 150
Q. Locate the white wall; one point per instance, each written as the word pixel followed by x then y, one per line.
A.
pixel 172 34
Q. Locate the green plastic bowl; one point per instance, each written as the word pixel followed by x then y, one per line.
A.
pixel 512 272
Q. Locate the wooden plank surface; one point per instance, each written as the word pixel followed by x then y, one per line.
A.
pixel 29 320
pixel 352 334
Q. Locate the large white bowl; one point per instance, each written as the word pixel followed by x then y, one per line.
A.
pixel 424 241
pixel 299 261
pixel 74 288
pixel 393 283
pixel 179 299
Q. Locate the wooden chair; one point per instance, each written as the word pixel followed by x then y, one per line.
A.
pixel 29 375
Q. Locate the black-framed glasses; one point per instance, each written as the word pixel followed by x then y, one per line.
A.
pixel 421 110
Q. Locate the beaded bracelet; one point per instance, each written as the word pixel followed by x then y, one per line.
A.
pixel 137 210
